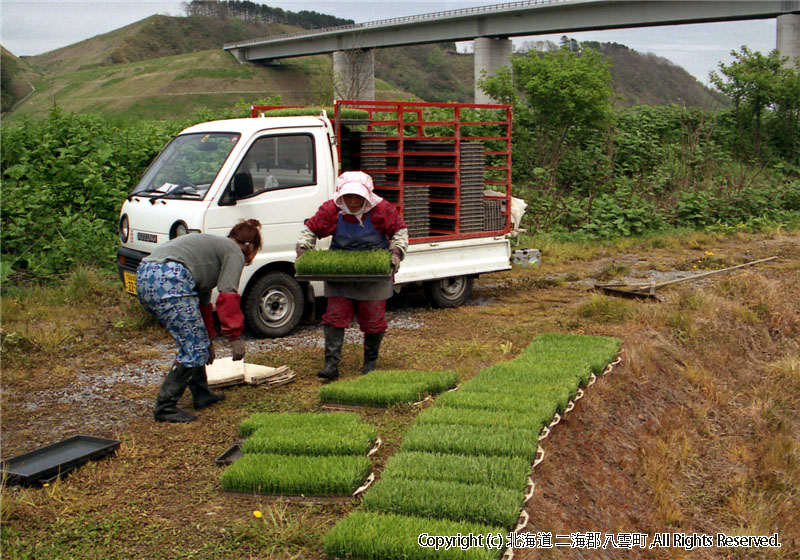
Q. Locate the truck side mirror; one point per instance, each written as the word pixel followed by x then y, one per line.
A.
pixel 242 185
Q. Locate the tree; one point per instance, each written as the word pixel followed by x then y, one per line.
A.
pixel 560 98
pixel 757 84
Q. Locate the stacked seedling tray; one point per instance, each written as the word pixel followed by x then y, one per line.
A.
pixel 493 219
pixel 387 387
pixel 464 464
pixel 456 186
pixel 417 210
pixel 344 265
pixel 377 155
pixel 304 455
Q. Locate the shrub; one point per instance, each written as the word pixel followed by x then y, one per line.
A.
pixel 445 500
pixel 374 536
pixel 504 472
pixel 292 474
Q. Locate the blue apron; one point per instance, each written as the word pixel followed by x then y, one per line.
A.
pixel 352 236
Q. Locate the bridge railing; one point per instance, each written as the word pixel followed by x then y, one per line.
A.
pixel 393 21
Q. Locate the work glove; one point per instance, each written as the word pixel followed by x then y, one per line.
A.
pixel 211 354
pixel 238 349
pixel 397 257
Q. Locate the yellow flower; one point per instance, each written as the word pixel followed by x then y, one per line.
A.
pixel 709 254
pixel 45 485
pixel 694 266
pixel 257 514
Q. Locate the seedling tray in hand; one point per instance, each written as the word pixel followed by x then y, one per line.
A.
pixel 344 266
pixel 56 459
pixel 342 277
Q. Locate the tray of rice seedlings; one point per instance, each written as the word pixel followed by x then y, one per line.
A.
pixel 504 419
pixel 503 472
pixel 490 505
pixel 344 439
pixel 327 475
pixel 471 440
pixel 581 354
pixel 534 393
pixel 282 420
pixel 344 266
pixel 376 536
pixel 346 114
pixel 499 402
pixel 388 387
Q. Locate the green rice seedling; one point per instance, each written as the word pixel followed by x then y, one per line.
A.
pixel 297 474
pixel 351 392
pixel 437 381
pixel 535 394
pixel 375 536
pixel 504 472
pixel 344 263
pixel 499 402
pixel 282 420
pixel 314 111
pixel 502 419
pixel 346 439
pixel 436 499
pixel 383 388
pixel 471 440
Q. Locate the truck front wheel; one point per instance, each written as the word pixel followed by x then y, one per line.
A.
pixel 274 305
pixel 449 292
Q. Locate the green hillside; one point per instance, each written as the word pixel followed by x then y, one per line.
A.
pixel 16 80
pixel 166 66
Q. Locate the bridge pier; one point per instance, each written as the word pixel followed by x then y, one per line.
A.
pixel 789 37
pixel 354 74
pixel 490 55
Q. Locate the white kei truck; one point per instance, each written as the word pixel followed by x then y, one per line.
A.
pixel 445 166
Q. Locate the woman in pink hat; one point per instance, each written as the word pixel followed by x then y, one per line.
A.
pixel 358 220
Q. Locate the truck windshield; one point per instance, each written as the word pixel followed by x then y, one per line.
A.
pixel 187 166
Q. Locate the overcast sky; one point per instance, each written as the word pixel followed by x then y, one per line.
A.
pixel 31 27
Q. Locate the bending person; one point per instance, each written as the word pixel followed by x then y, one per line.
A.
pixel 358 220
pixel 174 284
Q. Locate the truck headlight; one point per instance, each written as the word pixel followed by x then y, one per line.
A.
pixel 124 228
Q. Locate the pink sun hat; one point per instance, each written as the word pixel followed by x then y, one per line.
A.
pixel 356 182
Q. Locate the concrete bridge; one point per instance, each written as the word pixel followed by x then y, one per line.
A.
pixel 491 28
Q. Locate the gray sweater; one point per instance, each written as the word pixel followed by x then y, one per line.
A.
pixel 214 261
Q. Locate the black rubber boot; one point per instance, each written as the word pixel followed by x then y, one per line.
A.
pixel 166 409
pixel 201 394
pixel 334 338
pixel 372 347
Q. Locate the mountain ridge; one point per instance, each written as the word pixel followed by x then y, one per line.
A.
pixel 138 69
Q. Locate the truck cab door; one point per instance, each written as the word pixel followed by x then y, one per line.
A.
pixel 281 180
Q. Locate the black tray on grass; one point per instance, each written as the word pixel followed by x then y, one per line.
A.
pixel 57 459
pixel 229 456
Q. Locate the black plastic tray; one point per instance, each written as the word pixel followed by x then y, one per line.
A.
pixel 342 277
pixel 230 455
pixel 57 459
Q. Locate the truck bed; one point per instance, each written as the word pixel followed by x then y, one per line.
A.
pixel 446 167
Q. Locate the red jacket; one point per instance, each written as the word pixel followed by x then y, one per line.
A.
pixel 384 216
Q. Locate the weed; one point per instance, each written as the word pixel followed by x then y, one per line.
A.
pixel 604 309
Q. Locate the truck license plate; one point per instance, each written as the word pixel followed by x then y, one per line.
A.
pixel 130 282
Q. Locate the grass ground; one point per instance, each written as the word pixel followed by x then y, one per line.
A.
pixel 697 430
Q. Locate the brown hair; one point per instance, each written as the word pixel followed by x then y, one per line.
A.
pixel 247 233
